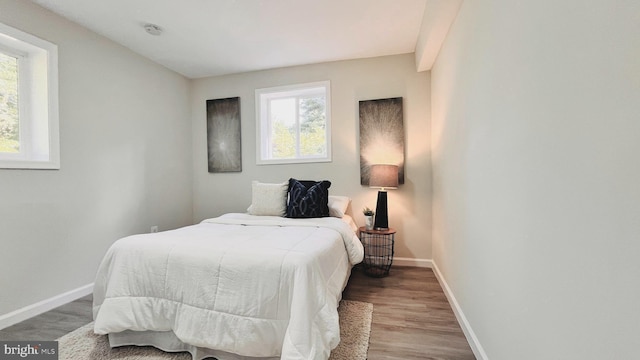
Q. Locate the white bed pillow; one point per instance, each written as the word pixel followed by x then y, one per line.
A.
pixel 268 199
pixel 338 205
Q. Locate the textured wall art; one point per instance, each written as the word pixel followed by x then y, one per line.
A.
pixel 381 136
pixel 223 135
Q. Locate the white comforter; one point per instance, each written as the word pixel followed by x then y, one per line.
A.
pixel 253 286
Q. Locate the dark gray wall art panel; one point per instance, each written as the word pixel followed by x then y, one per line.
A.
pixel 223 135
pixel 381 136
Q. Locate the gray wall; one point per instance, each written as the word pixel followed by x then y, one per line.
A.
pixel 125 136
pixel 351 81
pixel 536 176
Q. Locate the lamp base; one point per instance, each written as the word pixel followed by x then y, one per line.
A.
pixel 382 216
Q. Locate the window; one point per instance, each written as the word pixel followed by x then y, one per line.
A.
pixel 28 101
pixel 294 123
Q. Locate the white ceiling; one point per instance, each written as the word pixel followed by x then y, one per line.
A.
pixel 215 37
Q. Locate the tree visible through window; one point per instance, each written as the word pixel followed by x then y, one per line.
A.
pixel 303 138
pixel 294 123
pixel 9 110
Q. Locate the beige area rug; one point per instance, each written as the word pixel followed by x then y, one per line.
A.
pixel 82 343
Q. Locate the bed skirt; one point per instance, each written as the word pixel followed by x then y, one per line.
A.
pixel 169 342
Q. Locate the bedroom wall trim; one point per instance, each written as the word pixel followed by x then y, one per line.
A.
pixel 423 263
pixel 43 306
pixel 476 347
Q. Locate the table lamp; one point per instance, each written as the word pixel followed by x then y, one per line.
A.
pixel 383 176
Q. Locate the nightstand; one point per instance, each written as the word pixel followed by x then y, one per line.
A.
pixel 378 250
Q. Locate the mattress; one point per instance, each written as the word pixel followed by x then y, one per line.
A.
pixel 239 286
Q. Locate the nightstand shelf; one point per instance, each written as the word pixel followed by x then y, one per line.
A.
pixel 378 251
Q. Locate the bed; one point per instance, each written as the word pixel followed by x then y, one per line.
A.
pixel 239 286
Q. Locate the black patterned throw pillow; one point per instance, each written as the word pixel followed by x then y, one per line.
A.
pixel 308 199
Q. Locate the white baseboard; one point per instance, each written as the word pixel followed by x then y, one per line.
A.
pixel 43 306
pixel 400 261
pixel 476 347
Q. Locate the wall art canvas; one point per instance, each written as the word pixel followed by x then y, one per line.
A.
pixel 223 135
pixel 381 136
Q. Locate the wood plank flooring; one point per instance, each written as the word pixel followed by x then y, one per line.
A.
pixel 411 317
pixel 52 324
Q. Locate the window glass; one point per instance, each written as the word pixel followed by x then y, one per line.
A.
pixel 294 124
pixel 9 109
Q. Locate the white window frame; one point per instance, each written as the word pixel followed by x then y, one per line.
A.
pixel 38 100
pixel 263 124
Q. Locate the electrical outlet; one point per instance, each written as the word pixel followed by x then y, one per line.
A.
pixel 154 229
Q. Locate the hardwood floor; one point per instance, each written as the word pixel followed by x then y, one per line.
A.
pixel 411 317
pixel 52 324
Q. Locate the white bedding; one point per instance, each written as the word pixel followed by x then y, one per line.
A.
pixel 255 286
